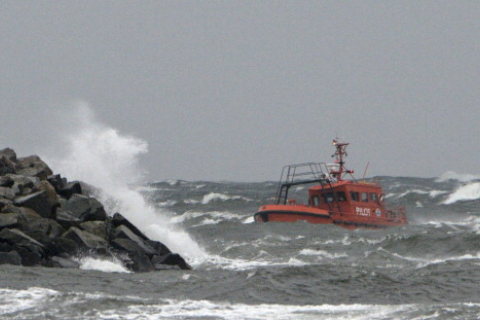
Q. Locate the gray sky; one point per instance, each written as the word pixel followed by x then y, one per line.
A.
pixel 234 90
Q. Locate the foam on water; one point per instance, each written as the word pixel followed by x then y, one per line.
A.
pixel 323 253
pixel 450 175
pixel 208 218
pixel 470 191
pixel 213 196
pixel 17 300
pixel 104 265
pixel 101 156
pixel 424 262
pixel 40 303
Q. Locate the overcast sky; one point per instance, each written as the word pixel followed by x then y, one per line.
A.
pixel 234 90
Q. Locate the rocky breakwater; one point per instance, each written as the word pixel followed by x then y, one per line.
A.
pixel 48 221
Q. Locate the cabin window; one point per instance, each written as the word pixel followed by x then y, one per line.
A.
pixel 316 201
pixel 328 197
pixel 341 196
pixel 373 196
pixel 354 196
pixel 364 197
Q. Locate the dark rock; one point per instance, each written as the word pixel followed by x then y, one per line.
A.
pixel 57 182
pixel 37 201
pixel 11 257
pixel 33 166
pixel 8 154
pixel 61 246
pixel 18 238
pixel 30 250
pixel 70 189
pixel 97 212
pixel 126 245
pixel 59 262
pixel 48 226
pixel 85 208
pixel 6 181
pixel 85 239
pixel 40 236
pixel 140 262
pixel 4 203
pixel 67 220
pixel 30 257
pixel 124 232
pixel 7 193
pixel 27 213
pixel 6 247
pixel 12 220
pixel 6 166
pixel 118 220
pixel 21 184
pixel 51 194
pixel 77 205
pixel 173 259
pixel 159 247
pixel 98 228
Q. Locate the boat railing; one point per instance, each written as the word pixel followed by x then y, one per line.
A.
pixel 298 174
pixel 396 212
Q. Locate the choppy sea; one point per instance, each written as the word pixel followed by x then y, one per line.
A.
pixel 429 269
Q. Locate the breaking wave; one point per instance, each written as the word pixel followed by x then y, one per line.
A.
pixel 470 191
pixel 101 156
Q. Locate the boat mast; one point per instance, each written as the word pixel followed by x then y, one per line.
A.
pixel 340 150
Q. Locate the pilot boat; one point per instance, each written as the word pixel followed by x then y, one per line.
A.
pixel 332 199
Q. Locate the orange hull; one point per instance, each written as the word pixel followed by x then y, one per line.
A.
pixel 294 213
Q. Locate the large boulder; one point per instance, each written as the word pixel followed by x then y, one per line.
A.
pixel 7 193
pixel 49 226
pixel 22 185
pixel 12 221
pixel 85 208
pixel 70 189
pixel 140 262
pixel 6 181
pixel 125 233
pixel 84 239
pixel 30 250
pixel 8 154
pixel 62 247
pixel 98 228
pixel 171 259
pixel 118 220
pixel 67 219
pixel 33 166
pixel 18 238
pixel 7 161
pixel 11 257
pixel 37 201
pixel 52 196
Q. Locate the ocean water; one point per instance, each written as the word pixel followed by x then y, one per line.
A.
pixel 429 269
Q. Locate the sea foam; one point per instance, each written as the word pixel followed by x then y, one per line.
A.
pixel 470 191
pixel 99 155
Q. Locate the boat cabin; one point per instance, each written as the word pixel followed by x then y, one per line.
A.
pixel 362 198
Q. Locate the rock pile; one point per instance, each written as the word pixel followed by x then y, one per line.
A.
pixel 46 220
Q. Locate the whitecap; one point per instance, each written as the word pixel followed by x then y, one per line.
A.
pixel 451 175
pixel 469 191
pixel 104 265
pixel 213 196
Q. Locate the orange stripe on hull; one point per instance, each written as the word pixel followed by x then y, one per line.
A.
pixel 294 213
